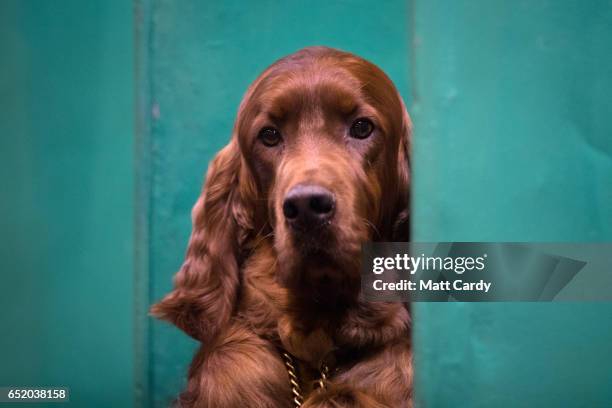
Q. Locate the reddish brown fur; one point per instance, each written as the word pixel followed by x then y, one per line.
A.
pixel 250 286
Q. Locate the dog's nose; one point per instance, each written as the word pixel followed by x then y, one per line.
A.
pixel 308 206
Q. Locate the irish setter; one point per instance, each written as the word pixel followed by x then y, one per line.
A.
pixel 318 164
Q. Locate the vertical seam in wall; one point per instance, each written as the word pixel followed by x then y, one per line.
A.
pixel 414 95
pixel 142 192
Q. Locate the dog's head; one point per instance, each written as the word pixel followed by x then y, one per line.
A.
pixel 319 160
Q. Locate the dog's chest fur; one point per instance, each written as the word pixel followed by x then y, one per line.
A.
pixel 266 306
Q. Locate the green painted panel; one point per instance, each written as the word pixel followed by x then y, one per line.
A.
pixel 66 173
pixel 513 143
pixel 201 58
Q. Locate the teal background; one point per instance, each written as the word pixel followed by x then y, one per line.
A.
pixel 513 143
pixel 66 205
pixel 111 112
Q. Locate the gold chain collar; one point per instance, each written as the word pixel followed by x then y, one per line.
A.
pixel 294 380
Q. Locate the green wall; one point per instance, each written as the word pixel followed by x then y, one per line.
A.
pixel 66 206
pixel 513 143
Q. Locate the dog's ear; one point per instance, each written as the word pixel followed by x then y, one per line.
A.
pixel 206 286
pixel 224 220
pixel 401 224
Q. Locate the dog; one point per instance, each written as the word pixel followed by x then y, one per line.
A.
pixel 317 165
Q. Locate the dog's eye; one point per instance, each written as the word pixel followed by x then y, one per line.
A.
pixel 361 128
pixel 269 136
